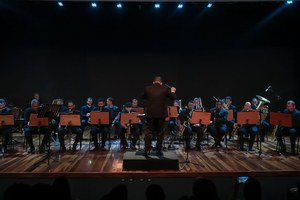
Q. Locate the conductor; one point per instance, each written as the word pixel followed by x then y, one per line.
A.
pixel 156 97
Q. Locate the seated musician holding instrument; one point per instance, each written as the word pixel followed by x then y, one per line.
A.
pixel 102 129
pixel 247 130
pixel 264 110
pixel 184 120
pixel 113 112
pixel 172 123
pixel 135 105
pixel 289 131
pixel 85 111
pixel 28 131
pixel 63 130
pixel 5 131
pixel 123 129
pixel 218 127
pixel 230 123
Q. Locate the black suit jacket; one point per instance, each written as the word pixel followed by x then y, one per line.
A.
pixel 156 97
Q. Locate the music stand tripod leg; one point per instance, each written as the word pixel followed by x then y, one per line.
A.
pixel 187 161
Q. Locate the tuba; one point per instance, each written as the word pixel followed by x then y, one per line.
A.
pixel 262 107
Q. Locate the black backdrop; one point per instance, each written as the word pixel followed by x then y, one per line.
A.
pixel 77 51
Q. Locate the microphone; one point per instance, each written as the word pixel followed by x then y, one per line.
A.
pixel 167 85
pixel 268 88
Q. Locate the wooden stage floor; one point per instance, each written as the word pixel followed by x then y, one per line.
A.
pixel 108 164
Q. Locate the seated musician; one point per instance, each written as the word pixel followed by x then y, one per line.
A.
pixel 135 104
pixel 171 126
pixel 85 111
pixel 230 106
pixel 218 127
pixel 63 130
pixel 113 111
pixel 247 130
pixel 55 121
pixel 5 131
pixel 289 131
pixel 198 105
pixel 123 129
pixel 102 129
pixel 28 131
pixel 184 120
pixel 264 126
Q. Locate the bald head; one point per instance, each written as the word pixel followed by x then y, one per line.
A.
pixel 247 106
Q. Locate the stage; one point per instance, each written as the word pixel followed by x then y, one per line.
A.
pixel 109 164
pixel 93 174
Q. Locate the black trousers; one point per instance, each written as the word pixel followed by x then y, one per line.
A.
pixel 154 127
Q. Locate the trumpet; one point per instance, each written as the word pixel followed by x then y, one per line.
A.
pixel 185 124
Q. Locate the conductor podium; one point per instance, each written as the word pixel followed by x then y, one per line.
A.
pixel 136 161
pixel 133 160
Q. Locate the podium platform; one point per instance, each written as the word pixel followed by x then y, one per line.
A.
pixel 136 161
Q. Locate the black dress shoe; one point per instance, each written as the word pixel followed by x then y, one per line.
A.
pixel 74 149
pixel 159 153
pixel 146 154
pixel 62 149
pixel 31 150
pixel 103 149
pixel 42 149
pixel 95 149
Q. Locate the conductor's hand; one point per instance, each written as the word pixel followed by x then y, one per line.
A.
pixel 173 89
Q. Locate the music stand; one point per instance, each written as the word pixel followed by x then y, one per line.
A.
pixel 281 119
pixel 49 111
pixel 249 118
pixel 138 110
pixel 230 116
pixel 99 118
pixel 6 120
pixel 202 118
pixel 70 120
pixel 172 111
pixel 129 119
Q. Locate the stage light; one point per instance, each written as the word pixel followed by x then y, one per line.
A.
pixel 180 6
pixel 94 5
pixel 119 5
pixel 289 2
pixel 209 5
pixel 60 4
pixel 157 5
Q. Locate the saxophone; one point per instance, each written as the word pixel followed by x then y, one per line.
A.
pixel 184 124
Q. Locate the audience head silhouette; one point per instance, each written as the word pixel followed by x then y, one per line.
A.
pixel 205 189
pixel 155 192
pixel 252 189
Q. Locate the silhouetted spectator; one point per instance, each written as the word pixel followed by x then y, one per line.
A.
pixel 155 192
pixel 61 186
pixel 252 189
pixel 43 191
pixel 119 192
pixel 294 193
pixel 17 191
pixel 204 189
